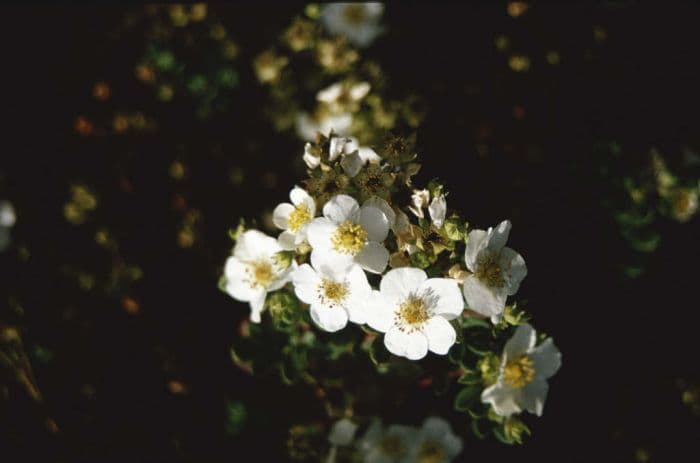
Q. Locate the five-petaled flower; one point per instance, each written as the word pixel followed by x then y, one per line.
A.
pixel 386 445
pixel 522 380
pixel 253 270
pixel 359 22
pixel 497 270
pixel 293 218
pixel 335 294
pixel 348 233
pixel 435 442
pixel 414 312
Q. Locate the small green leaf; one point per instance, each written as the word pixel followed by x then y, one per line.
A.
pixel 467 398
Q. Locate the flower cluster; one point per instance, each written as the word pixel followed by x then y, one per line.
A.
pixel 350 252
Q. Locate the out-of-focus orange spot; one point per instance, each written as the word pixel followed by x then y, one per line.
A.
pixel 177 387
pixel 244 328
pixel 145 73
pixel 51 426
pixel 83 126
pixel 518 112
pixel 101 91
pixel 517 8
pixel 120 123
pixel 425 382
pixel 130 305
pixel 179 203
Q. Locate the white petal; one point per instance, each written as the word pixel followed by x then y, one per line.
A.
pixel 329 319
pixel 514 268
pixel 254 244
pixel 7 214
pixel 401 224
pixel 413 346
pixel 445 296
pixel 380 312
pixel 476 242
pixel 339 124
pixel 369 155
pixel 359 91
pixel 523 341
pixel 382 205
pixel 256 306
pixel 280 216
pixel 299 197
pixel 306 128
pixel 480 298
pixel 282 278
pixel 341 208
pixel 237 285
pixel 501 398
pixel 287 240
pixel 360 293
pixel 439 430
pixel 533 396
pixel 342 432
pixel 437 210
pixel 547 358
pixel 337 147
pixel 375 222
pixel 330 94
pixel 373 257
pixel 399 283
pixel 499 236
pixel 306 281
pixel 309 158
pixel 319 232
pixel 352 163
pixel 441 335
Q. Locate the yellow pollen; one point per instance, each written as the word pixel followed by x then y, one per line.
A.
pixel 392 447
pixel 355 14
pixel 431 452
pixel 519 372
pixel 262 273
pixel 349 238
pixel 334 291
pixel 489 272
pixel 299 216
pixel 413 311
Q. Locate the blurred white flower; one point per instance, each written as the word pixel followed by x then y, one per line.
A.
pixel 435 442
pixel 522 380
pixel 253 271
pixel 342 97
pixel 308 126
pixel 354 157
pixel 419 200
pixel 342 433
pixel 359 22
pixel 348 233
pixel 390 445
pixel 294 218
pixel 7 221
pixel 335 294
pixel 496 270
pixel 414 312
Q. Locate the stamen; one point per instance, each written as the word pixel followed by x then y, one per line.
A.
pixel 488 270
pixel 349 238
pixel 519 372
pixel 299 216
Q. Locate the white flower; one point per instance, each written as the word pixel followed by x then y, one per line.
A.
pixel 419 200
pixel 308 126
pixel 312 161
pixel 349 233
pixel 390 445
pixel 522 380
pixel 413 310
pixel 335 294
pixel 294 218
pixel 252 271
pixel 496 270
pixel 435 443
pixel 359 22
pixel 341 97
pixel 7 221
pixel 343 432
pixel 438 210
pixel 354 157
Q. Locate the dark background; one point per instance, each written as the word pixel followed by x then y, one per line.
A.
pixel 625 342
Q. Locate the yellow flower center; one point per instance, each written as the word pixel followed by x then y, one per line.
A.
pixel 333 291
pixel 349 238
pixel 431 452
pixel 392 447
pixel 299 216
pixel 355 14
pixel 262 273
pixel 488 271
pixel 519 372
pixel 413 311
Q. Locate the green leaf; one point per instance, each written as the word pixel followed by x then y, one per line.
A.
pixel 236 415
pixel 475 322
pixel 467 398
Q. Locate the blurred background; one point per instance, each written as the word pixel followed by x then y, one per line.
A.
pixel 138 136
